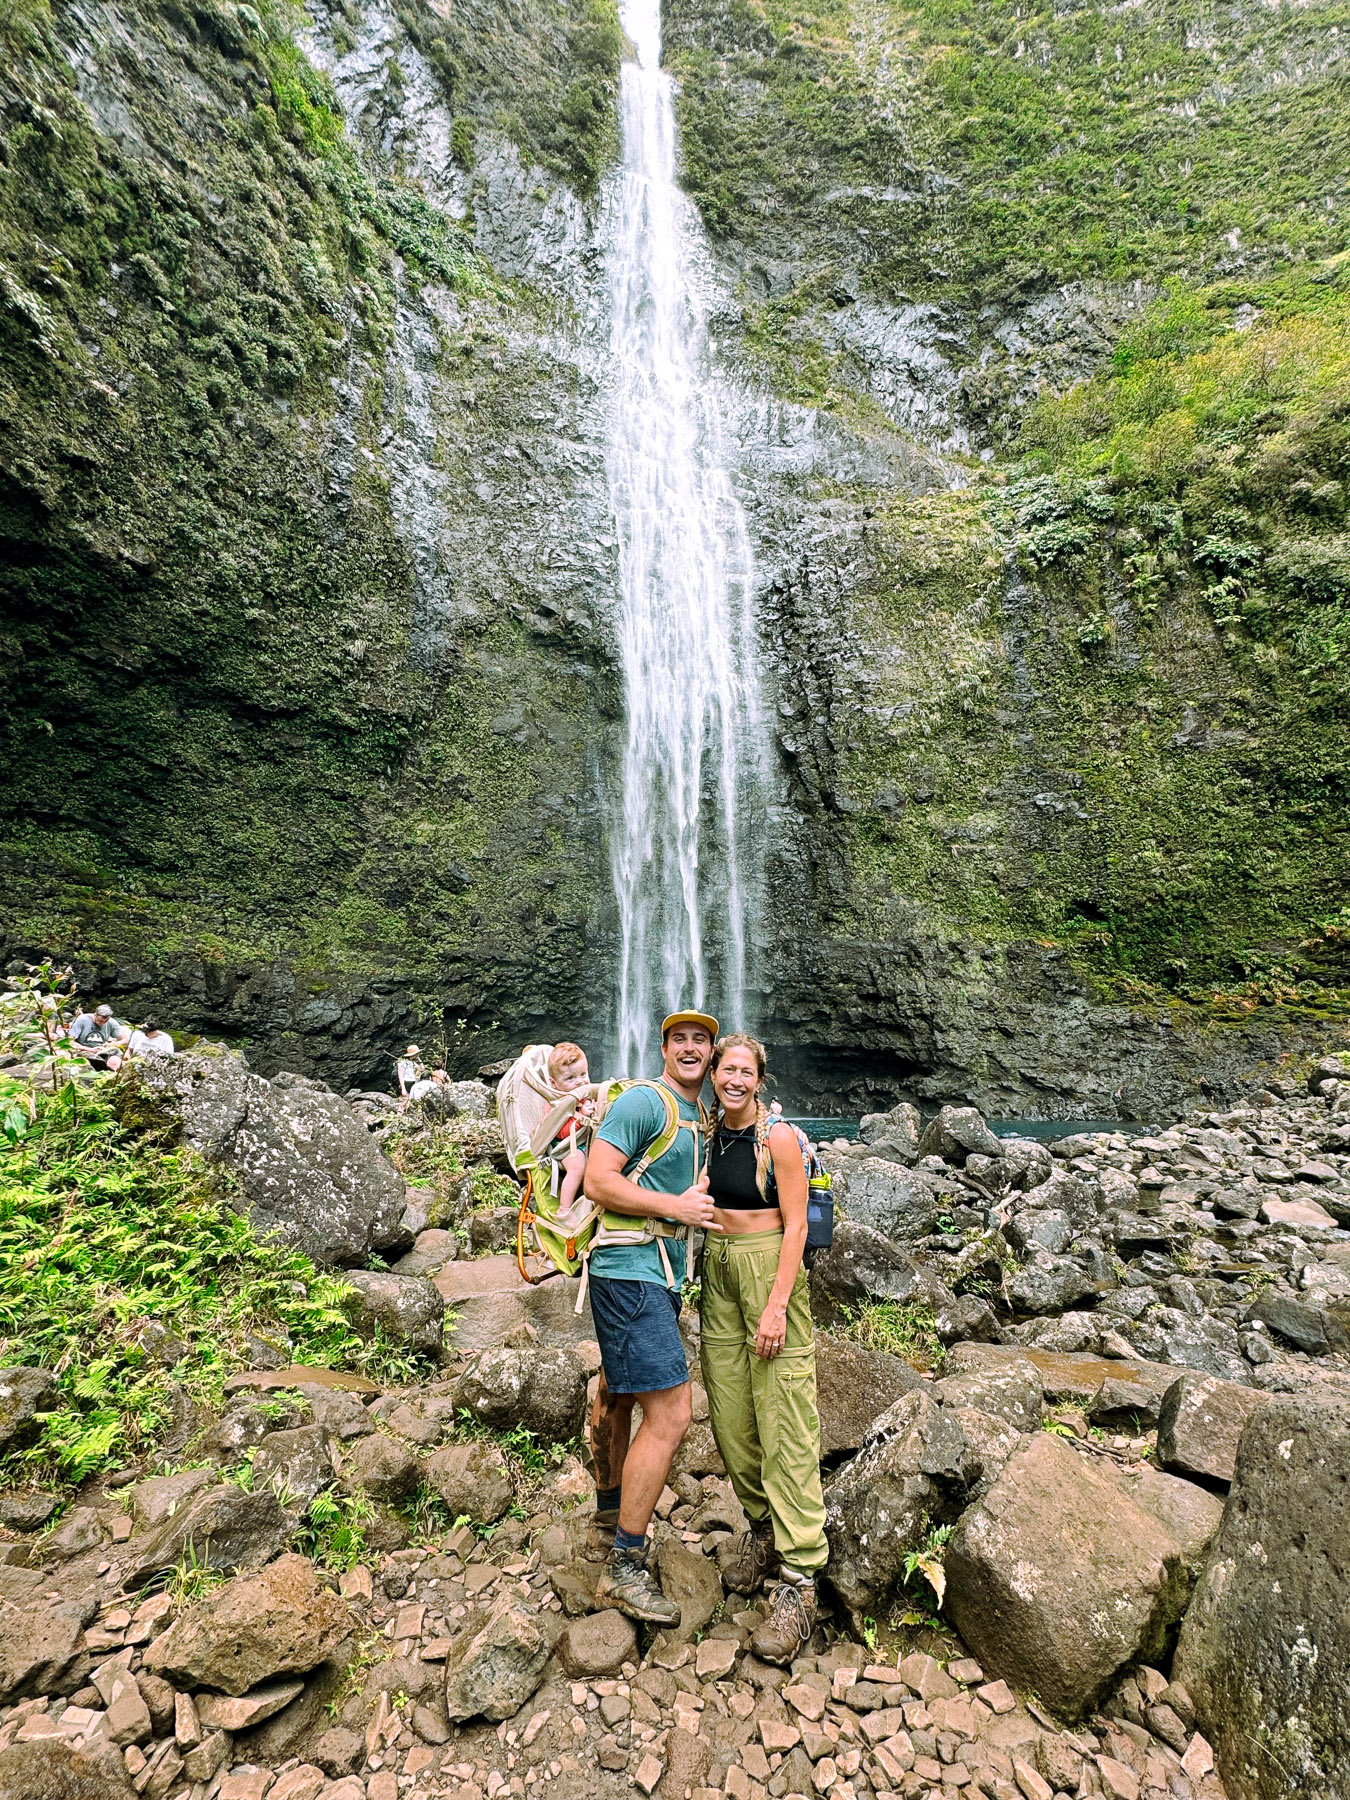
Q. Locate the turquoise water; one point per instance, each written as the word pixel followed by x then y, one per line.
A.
pixel 1044 1131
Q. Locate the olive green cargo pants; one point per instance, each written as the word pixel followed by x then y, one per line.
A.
pixel 763 1412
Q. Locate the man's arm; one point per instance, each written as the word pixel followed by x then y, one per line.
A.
pixel 608 1186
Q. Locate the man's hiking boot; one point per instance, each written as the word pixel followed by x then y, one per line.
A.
pixel 629 1585
pixel 786 1632
pixel 605 1521
pixel 751 1559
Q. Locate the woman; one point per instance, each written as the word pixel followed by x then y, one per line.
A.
pixel 759 1362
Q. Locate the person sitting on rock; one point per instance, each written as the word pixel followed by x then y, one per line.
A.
pixel 635 1289
pixel 94 1033
pixel 150 1039
pixel 570 1073
pixel 758 1353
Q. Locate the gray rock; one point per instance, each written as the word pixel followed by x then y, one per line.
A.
pixel 1028 1163
pixel 542 1389
pixel 1302 1326
pixel 295 1463
pixel 26 1509
pixel 1080 1200
pixel 893 1135
pixel 49 1768
pixel 992 1441
pixel 426 1419
pixel 432 1251
pixel 24 1393
pixel 863 1265
pixel 342 1415
pixel 247 1421
pixel 406 1309
pixel 1049 1284
pixel 41 1651
pixel 304 1162
pixel 256 1627
pixel 1200 1423
pixel 958 1132
pixel 1062 1573
pixel 1265 1645
pixel 473 1480
pixel 887 1198
pixel 967 1319
pixel 382 1467
pixel 693 1583
pixel 915 1471
pixel 158 1498
pixel 1011 1392
pixel 493 1230
pixel 223 1527
pixel 496 1661
pixel 80 1530
pixel 599 1644
pixel 340 1752
pixel 1033 1229
pixel 853 1388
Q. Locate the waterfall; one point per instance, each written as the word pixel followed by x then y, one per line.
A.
pixel 682 857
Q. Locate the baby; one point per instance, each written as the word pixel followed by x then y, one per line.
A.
pixel 569 1073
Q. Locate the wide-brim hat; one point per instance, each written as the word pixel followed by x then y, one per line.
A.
pixel 412 1050
pixel 706 1020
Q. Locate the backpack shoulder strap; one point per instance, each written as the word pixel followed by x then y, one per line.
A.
pixel 664 1138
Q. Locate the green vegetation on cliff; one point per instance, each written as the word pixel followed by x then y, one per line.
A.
pixel 1116 679
pixel 970 152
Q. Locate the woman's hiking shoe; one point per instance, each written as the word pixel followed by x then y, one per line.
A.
pixel 792 1618
pixel 751 1559
pixel 629 1585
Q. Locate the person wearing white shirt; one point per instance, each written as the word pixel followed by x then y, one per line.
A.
pixel 149 1040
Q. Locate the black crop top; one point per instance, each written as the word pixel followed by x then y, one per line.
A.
pixel 731 1173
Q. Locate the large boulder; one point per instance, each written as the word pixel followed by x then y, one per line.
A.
pixel 541 1389
pixel 890 1199
pixel 863 1265
pixel 296 1463
pixel 222 1528
pixel 473 1481
pixel 915 1471
pixel 382 1467
pixel 280 1622
pixel 853 1388
pixel 1266 1643
pixel 1027 1163
pixel 1200 1424
pixel 303 1161
pixel 41 1651
pixel 1065 1571
pixel 496 1660
pixel 1049 1284
pixel 956 1133
pixel 1011 1391
pixel 51 1768
pixel 893 1135
pixel 24 1393
pixel 407 1310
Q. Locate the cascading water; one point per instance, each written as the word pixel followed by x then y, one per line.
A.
pixel 681 852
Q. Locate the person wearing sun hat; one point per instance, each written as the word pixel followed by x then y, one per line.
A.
pixel 635 1292
pixel 408 1069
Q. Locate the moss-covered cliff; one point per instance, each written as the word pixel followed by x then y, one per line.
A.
pixel 307 566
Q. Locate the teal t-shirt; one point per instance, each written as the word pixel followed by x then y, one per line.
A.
pixel 631 1123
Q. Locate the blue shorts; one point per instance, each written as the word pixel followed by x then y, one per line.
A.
pixel 637 1326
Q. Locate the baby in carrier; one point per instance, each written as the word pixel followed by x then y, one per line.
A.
pixel 569 1072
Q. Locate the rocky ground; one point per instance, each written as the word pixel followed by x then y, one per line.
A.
pixel 1083 1530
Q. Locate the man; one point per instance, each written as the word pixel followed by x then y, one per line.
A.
pixel 93 1032
pixel 635 1302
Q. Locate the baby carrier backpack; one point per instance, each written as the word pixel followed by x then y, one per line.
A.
pixel 535 1117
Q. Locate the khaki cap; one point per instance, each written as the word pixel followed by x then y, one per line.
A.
pixel 706 1020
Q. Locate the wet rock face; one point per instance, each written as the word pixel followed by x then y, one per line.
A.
pixel 303 1160
pixel 1267 1631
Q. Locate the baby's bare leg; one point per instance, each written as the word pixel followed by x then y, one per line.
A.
pixel 574 1168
